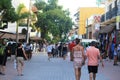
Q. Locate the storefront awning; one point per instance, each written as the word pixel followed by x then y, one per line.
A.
pixel 11 36
pixel 35 38
pixel 107 29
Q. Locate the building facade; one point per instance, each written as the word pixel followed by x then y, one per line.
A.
pixel 109 32
pixel 83 14
pixel 12 26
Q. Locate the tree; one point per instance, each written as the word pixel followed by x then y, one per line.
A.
pixel 53 20
pixel 40 4
pixel 21 15
pixel 7 12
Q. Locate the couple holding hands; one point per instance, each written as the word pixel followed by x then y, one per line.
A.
pixel 92 54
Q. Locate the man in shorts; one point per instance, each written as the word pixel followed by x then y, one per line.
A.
pixel 93 55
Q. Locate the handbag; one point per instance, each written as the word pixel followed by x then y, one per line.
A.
pixel 83 62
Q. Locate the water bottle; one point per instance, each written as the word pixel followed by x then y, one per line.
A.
pixel 15 65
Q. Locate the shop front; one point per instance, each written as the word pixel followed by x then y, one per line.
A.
pixel 118 42
pixel 107 36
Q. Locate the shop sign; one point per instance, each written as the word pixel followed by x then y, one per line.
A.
pixel 97 18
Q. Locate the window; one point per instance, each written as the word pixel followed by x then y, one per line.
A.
pixel 110 7
pixel 115 3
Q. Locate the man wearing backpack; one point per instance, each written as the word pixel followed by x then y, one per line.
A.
pixel 3 57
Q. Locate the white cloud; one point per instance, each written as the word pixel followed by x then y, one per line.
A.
pixel 16 3
pixel 73 5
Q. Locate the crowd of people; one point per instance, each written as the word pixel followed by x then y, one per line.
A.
pixel 92 53
pixel 57 50
pixel 16 52
pixel 78 54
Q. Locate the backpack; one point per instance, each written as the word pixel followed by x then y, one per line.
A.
pixel 2 48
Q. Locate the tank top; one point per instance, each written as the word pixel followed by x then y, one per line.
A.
pixel 77 54
pixel 20 52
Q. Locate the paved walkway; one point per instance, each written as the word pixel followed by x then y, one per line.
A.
pixel 39 68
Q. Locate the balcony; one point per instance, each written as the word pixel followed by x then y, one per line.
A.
pixel 114 12
pixel 108 15
pixel 111 14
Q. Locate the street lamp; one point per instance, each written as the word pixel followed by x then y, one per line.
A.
pixel 31 20
pixel 28 23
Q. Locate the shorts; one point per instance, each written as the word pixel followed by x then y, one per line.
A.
pixel 1 59
pixel 20 61
pixel 92 69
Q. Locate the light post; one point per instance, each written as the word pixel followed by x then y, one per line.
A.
pixel 28 23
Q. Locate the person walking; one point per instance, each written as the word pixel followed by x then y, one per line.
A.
pixel 49 50
pixel 20 59
pixel 78 58
pixel 115 55
pixel 28 51
pixel 60 49
pixel 93 54
pixel 64 51
pixel 3 56
pixel 71 45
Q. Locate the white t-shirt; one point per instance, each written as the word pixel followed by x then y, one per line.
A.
pixel 49 48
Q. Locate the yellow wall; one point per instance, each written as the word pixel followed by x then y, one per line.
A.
pixel 85 13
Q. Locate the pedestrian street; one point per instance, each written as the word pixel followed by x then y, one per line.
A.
pixel 39 68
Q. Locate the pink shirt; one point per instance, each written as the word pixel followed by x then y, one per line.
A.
pixel 92 54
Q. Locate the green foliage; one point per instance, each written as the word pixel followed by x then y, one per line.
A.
pixel 40 4
pixel 48 38
pixel 7 11
pixel 53 19
pixel 5 5
pixel 10 15
pixel 22 15
pixel 2 48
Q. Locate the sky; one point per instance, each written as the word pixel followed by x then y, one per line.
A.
pixel 73 5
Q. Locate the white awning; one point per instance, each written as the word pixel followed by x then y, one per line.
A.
pixel 107 29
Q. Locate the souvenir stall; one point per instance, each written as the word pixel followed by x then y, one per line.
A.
pixel 118 42
pixel 107 35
